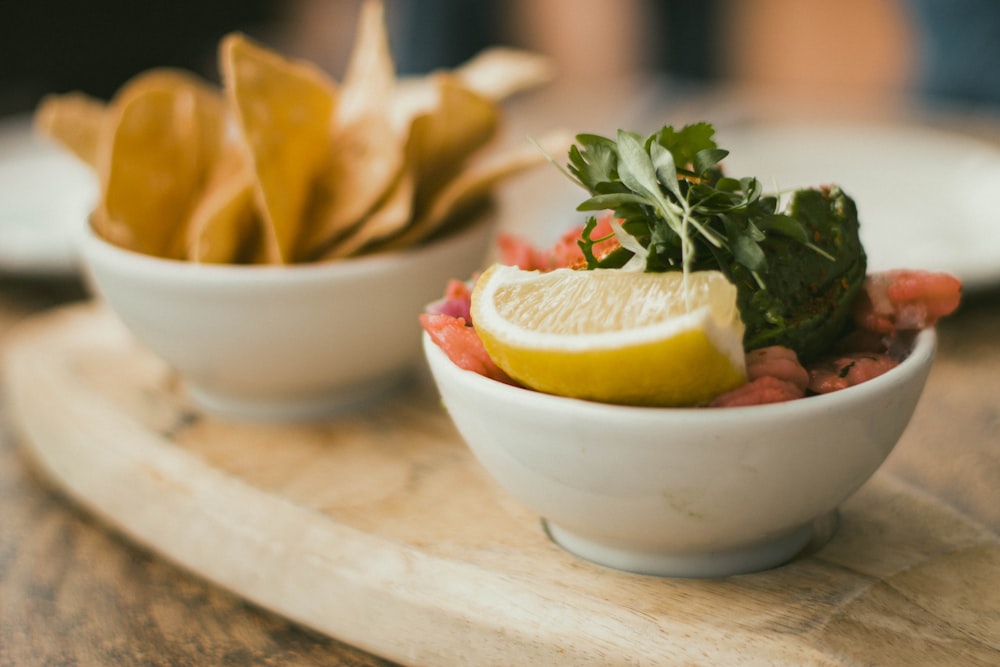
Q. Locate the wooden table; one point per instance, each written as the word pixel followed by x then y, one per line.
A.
pixel 74 592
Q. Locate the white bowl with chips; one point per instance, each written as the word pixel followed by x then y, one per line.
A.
pixel 684 492
pixel 287 342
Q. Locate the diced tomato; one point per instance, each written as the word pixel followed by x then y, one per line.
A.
pixel 847 371
pixel 906 299
pixel 462 345
pixel 762 390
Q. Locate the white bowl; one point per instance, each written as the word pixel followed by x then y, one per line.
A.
pixel 688 492
pixel 283 342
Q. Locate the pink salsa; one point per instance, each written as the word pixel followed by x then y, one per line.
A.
pixel 891 308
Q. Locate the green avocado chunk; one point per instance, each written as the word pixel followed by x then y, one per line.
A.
pixel 806 300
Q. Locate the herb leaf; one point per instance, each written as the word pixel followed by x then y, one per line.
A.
pixel 682 213
pixel 635 168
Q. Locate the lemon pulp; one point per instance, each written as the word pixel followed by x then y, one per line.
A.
pixel 613 336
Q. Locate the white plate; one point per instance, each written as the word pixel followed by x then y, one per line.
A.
pixel 45 197
pixel 926 199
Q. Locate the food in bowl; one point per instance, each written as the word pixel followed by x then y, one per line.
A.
pixel 282 164
pixel 274 238
pixel 685 385
pixel 279 343
pixel 703 287
pixel 681 492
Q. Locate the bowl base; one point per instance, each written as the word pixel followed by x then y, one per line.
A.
pixel 313 407
pixel 739 560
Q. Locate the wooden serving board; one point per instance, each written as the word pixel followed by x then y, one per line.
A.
pixel 381 530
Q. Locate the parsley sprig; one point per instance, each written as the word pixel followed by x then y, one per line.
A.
pixel 797 264
pixel 676 204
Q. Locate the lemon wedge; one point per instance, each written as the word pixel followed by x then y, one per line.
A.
pixel 613 336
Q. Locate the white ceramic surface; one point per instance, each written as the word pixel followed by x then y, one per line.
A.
pixel 289 342
pixel 691 492
pixel 45 197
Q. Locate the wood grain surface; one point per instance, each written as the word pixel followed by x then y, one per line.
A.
pixel 381 531
pixel 74 592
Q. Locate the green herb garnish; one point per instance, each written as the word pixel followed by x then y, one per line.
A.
pixel 796 269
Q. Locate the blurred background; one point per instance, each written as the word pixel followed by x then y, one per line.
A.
pixel 636 64
pixel 940 49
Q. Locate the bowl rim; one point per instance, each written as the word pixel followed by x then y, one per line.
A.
pixel 94 245
pixel 920 358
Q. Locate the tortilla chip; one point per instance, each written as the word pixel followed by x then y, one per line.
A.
pixel 496 74
pixel 284 109
pixel 474 185
pixel 391 216
pixel 366 153
pixel 114 233
pixel 499 72
pixel 370 78
pixel 207 110
pixel 283 165
pixel 443 139
pixel 439 143
pixel 75 121
pixel 365 161
pixel 152 167
pixel 225 222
